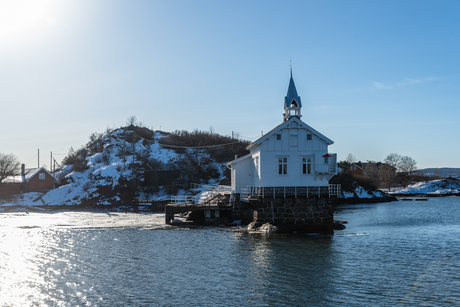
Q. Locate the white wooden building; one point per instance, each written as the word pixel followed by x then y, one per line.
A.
pixel 292 158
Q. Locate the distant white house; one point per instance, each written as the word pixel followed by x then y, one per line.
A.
pixel 291 156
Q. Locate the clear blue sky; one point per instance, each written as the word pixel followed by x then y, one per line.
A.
pixel 376 77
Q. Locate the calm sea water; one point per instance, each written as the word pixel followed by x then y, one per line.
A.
pixel 399 253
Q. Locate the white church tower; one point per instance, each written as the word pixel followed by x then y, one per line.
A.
pixel 290 160
pixel 292 103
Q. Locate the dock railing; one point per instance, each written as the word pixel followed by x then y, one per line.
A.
pixel 186 199
pixel 213 188
pixel 333 190
pixel 209 192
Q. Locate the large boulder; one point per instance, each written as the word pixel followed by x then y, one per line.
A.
pixel 268 228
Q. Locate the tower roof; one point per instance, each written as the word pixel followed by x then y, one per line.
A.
pixel 292 94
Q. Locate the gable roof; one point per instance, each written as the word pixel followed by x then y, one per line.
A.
pixel 239 159
pixel 28 174
pixel 31 172
pixel 282 126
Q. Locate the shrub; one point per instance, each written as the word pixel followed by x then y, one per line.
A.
pixel 98 159
pixel 366 182
pixel 106 158
pixel 210 172
pixel 346 181
pixel 72 157
pixel 207 139
pixel 349 182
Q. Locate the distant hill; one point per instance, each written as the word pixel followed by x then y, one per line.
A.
pixel 441 172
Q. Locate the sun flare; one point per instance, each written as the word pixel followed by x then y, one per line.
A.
pixel 19 18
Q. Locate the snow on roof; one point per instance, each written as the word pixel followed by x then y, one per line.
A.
pixel 29 173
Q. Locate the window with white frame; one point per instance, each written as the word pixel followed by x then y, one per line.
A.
pixel 41 176
pixel 306 165
pixel 282 165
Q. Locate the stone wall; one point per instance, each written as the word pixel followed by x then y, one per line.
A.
pixel 298 214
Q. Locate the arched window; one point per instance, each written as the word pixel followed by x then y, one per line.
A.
pixel 293 108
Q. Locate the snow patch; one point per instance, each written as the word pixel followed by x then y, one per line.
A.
pixel 437 187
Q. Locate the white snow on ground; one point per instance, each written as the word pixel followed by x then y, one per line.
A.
pixel 104 169
pixel 431 187
pixel 360 192
pixel 26 199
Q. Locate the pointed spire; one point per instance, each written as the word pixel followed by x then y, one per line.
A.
pixel 292 102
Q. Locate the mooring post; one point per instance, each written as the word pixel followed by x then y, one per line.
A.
pixel 167 220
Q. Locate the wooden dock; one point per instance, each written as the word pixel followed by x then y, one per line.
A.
pixel 172 209
pixel 215 202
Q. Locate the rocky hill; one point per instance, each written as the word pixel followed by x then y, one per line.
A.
pixel 135 162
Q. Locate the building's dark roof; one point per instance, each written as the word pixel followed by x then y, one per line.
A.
pixel 292 94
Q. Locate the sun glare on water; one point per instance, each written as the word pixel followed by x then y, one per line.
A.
pixel 20 18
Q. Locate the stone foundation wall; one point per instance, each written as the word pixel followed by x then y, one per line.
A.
pixel 242 211
pixel 300 214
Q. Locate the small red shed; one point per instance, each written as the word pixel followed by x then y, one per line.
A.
pixel 30 180
pixel 38 179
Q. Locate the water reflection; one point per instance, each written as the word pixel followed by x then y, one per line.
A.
pixel 111 259
pixel 291 270
pixel 20 274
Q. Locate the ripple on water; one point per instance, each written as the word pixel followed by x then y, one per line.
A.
pixel 100 259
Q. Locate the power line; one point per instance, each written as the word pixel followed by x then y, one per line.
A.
pixel 31 159
pixel 198 147
pixel 246 137
pixel 189 147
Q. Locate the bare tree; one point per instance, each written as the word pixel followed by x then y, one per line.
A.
pixel 9 165
pixel 350 158
pixel 393 160
pixel 382 174
pixel 386 175
pixel 371 170
pixel 407 165
pixel 131 121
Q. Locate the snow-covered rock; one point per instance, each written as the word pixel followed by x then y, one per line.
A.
pixel 435 187
pixel 109 173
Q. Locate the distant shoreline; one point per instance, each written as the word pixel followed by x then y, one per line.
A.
pixel 426 195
